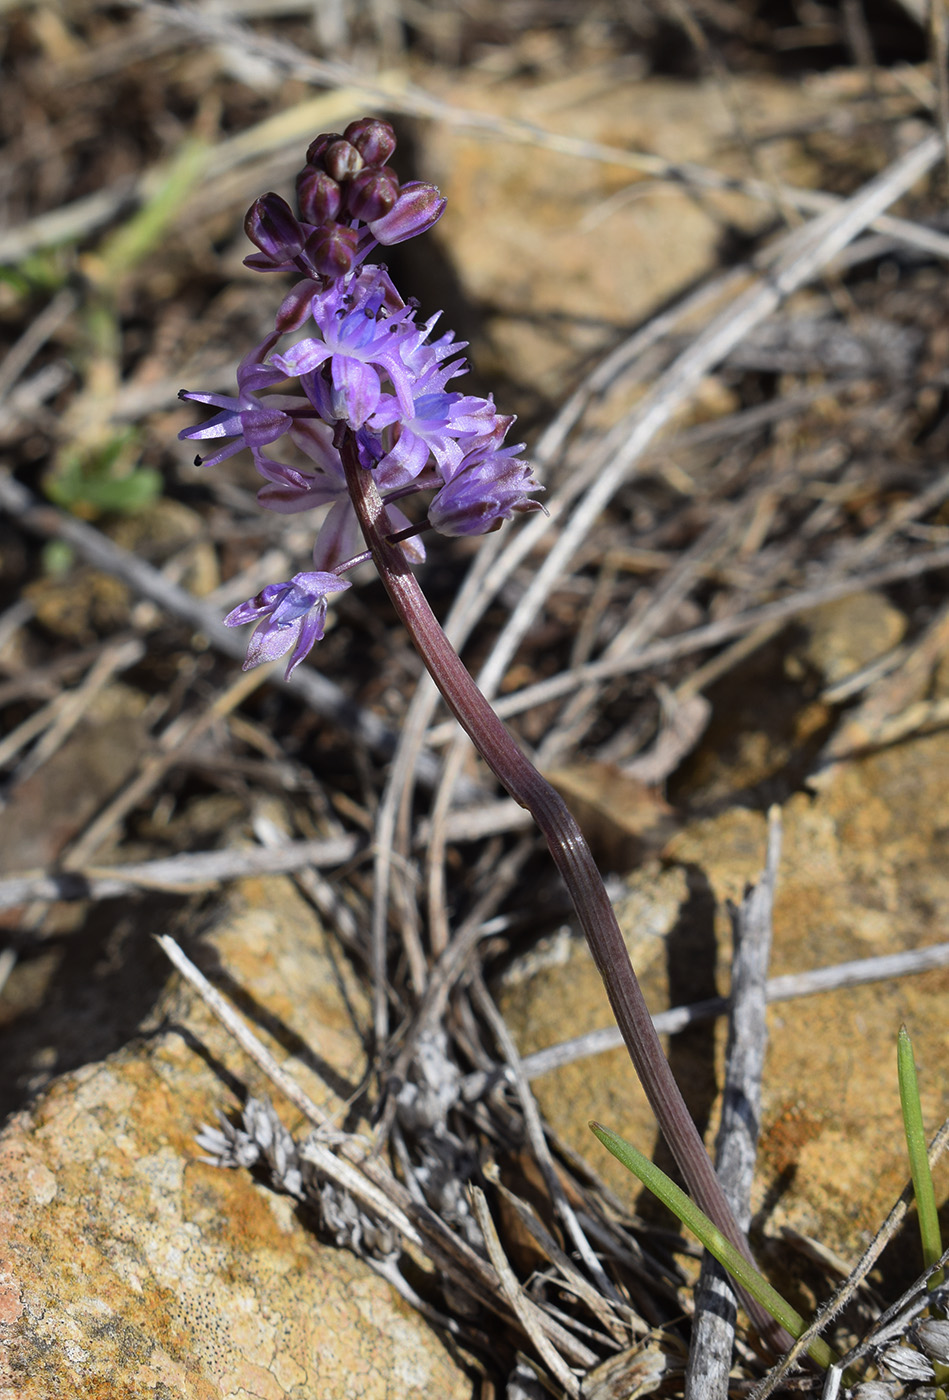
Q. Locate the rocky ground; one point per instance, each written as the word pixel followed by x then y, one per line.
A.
pixel 645 245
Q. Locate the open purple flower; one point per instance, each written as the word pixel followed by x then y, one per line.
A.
pixel 291 490
pixel 247 420
pixel 433 429
pixel 360 340
pixel 490 486
pixel 290 617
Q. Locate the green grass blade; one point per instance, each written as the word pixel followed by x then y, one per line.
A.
pixel 140 235
pixel 714 1241
pixel 926 1210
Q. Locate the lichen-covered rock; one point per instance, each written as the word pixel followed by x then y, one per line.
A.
pixel 863 872
pixel 130 1269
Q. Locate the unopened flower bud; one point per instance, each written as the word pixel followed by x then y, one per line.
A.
pixel 320 145
pixel 318 196
pixel 330 250
pixel 371 194
pixel 342 161
pixel 374 140
pixel 417 208
pixel 270 224
pixel 295 307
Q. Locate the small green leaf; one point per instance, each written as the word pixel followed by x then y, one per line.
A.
pixel 58 558
pixel 106 481
pixel 926 1209
pixel 140 235
pixel 714 1241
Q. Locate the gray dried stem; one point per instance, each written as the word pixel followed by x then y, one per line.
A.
pixel 713 1327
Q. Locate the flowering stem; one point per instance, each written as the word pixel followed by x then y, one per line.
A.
pixel 568 848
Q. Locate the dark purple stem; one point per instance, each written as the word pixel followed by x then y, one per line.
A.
pixel 568 848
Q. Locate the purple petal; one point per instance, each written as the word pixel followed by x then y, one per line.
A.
pixel 295 307
pixel 264 424
pixel 417 208
pixel 311 630
pixel 356 389
pixel 217 400
pixel 270 640
pixel 302 358
pixel 409 456
pixel 290 491
pixel 222 454
pixel 315 439
pixel 227 424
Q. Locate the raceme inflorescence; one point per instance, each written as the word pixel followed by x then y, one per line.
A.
pixel 348 367
pixel 347 404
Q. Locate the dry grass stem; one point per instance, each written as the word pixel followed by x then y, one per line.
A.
pixel 713 1329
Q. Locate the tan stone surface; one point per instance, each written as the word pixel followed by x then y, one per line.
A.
pixel 559 252
pixel 849 633
pixel 129 1269
pixel 864 872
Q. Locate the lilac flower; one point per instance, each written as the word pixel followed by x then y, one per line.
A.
pixel 291 490
pixel 288 615
pixel 491 485
pixel 417 208
pixel 432 429
pixel 294 489
pixel 366 372
pixel 250 422
pixel 359 339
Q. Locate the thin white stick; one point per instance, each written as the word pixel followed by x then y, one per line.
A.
pixel 518 1303
pixel 713 1328
pixel 245 1038
pixel 787 988
pixel 317 1151
pixel 709 635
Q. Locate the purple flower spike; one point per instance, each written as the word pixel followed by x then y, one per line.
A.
pixel 288 615
pixel 417 208
pixel 490 487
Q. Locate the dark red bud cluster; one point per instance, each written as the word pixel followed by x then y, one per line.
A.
pixel 349 171
pixel 346 180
